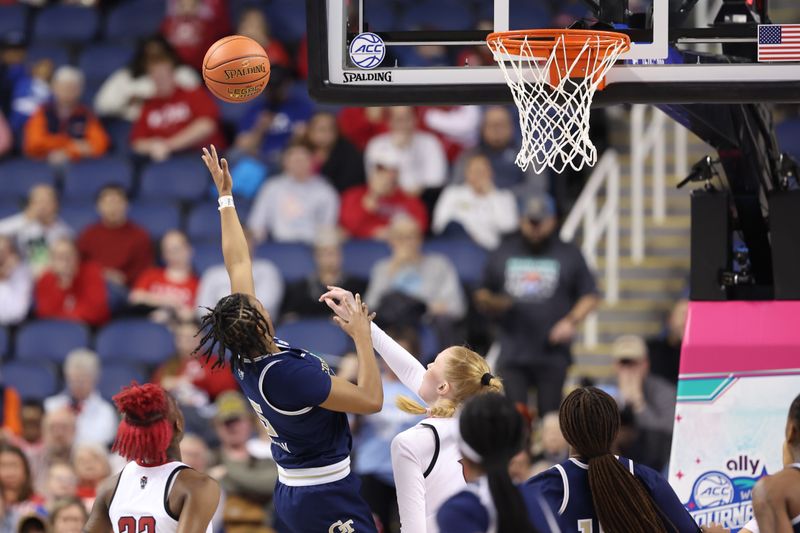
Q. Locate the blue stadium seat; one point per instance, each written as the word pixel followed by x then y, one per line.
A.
pixel 156 217
pixel 380 16
pixel 13 22
pixel 524 14
pixel 99 61
pixel 439 15
pixel 177 179
pixel 360 255
pixel 9 207
pixel 788 133
pixel 84 179
pixel 134 19
pixel 57 54
pixel 120 133
pixel 287 20
pixel 231 113
pixel 78 214
pixel 467 257
pixel 206 255
pixel 66 24
pixel 114 376
pixel 50 340
pixel 428 344
pixel 202 225
pixel 135 341
pixel 4 338
pixel 320 336
pixel 19 175
pixel 294 260
pixel 33 381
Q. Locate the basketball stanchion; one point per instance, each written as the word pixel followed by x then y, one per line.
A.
pixel 553 75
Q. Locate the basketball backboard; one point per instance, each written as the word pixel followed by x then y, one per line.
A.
pixel 433 51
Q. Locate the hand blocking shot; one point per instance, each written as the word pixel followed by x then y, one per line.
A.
pixel 294 393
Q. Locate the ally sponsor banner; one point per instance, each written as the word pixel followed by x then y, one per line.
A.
pixel 740 370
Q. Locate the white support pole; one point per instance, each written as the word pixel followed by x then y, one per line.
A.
pixel 612 239
pixel 681 148
pixel 659 167
pixel 637 183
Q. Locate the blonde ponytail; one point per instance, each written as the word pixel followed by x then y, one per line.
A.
pixel 464 371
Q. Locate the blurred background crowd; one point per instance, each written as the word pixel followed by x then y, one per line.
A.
pixel 109 248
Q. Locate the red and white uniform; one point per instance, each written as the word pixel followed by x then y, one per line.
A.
pixel 139 503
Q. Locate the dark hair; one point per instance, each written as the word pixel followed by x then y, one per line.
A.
pixel 36 404
pixel 112 187
pixel 26 491
pixel 65 503
pixel 794 413
pixel 234 324
pixel 145 432
pixel 493 428
pixel 138 65
pixel 590 422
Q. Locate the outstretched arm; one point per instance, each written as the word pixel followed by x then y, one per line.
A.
pixel 234 244
pixel 99 521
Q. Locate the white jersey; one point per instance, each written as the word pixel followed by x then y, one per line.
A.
pixel 139 502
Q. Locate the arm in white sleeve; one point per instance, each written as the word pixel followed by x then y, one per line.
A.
pixel 408 478
pixel 15 293
pixel 407 367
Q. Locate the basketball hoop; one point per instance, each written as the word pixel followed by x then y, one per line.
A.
pixel 553 75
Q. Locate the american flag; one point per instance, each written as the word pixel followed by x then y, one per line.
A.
pixel 779 42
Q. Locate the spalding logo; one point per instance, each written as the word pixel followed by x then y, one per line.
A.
pixel 367 50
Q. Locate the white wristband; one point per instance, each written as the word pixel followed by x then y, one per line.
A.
pixel 225 201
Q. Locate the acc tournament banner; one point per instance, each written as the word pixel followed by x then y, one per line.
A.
pixel 740 371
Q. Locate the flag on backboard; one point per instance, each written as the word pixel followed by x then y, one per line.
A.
pixel 779 42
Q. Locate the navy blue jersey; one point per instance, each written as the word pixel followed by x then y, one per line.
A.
pixel 285 390
pixel 472 511
pixel 565 487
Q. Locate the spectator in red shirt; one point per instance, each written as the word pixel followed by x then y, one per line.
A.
pixel 71 289
pixel 191 26
pixel 360 124
pixel 253 23
pixel 170 291
pixel 368 209
pixel 121 247
pixel 65 129
pixel 175 119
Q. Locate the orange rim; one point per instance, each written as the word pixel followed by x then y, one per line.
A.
pixel 522 42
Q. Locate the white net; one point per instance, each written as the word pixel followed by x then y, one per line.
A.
pixel 553 90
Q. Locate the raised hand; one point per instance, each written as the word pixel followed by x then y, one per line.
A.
pixel 219 171
pixel 358 324
pixel 337 299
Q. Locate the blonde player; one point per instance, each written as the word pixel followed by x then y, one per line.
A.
pixel 155 492
pixel 426 458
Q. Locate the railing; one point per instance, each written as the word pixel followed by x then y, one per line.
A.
pixel 597 224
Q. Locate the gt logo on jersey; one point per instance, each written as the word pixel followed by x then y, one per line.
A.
pixel 342 527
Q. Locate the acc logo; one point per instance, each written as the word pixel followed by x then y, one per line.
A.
pixel 342 527
pixel 718 498
pixel 367 50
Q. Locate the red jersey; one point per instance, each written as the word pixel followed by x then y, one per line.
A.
pixel 126 248
pixel 213 381
pixel 86 299
pixel 155 280
pixel 363 224
pixel 165 117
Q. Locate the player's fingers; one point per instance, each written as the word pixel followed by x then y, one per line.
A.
pixel 214 152
pixel 372 317
pixel 224 163
pixel 339 322
pixel 358 301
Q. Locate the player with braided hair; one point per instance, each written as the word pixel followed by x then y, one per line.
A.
pixel 593 489
pixel 155 492
pixel 294 393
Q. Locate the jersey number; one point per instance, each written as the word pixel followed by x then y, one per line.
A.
pixel 270 430
pixel 585 526
pixel 128 524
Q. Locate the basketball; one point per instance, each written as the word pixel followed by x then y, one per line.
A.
pixel 236 69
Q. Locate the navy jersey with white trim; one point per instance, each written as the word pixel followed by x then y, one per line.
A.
pixel 285 390
pixel 565 487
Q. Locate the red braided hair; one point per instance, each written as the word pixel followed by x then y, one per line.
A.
pixel 145 432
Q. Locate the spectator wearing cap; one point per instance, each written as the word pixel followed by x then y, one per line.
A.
pixel 71 289
pixel 368 209
pixel 422 163
pixel 302 296
pixel 539 289
pixel 65 129
pixel 647 404
pixel 296 204
pixel 16 285
pixel 37 226
pixel 247 481
pixel 120 246
pixel 96 419
pixel 476 207
pixel 168 292
pixel 215 283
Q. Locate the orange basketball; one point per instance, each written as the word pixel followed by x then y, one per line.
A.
pixel 236 68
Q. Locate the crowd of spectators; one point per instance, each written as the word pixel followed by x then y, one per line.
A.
pixel 400 178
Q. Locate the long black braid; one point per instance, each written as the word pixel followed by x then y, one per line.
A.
pixel 234 325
